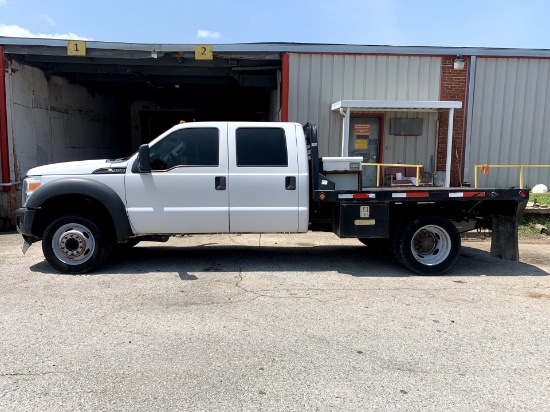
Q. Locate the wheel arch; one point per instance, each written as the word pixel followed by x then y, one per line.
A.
pixel 62 196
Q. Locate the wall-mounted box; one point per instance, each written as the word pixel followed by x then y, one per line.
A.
pixel 406 127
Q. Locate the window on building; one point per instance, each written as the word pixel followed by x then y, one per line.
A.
pixel 187 147
pixel 261 147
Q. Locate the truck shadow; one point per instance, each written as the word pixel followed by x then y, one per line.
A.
pixel 357 261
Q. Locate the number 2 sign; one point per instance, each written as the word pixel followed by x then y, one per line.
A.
pixel 204 52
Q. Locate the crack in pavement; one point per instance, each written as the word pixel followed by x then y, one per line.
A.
pixel 258 294
pixel 32 373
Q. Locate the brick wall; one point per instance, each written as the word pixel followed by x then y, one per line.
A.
pixel 454 84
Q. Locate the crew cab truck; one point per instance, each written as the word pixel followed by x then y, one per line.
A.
pixel 243 177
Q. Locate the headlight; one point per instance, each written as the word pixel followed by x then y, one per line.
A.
pixel 30 184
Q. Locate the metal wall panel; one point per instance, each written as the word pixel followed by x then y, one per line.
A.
pixel 318 80
pixel 511 120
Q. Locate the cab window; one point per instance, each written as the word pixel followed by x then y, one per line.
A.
pixel 187 147
pixel 261 147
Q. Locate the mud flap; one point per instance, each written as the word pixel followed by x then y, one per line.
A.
pixel 25 247
pixel 504 238
pixel 27 242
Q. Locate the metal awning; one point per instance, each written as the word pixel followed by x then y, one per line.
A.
pixel 345 107
pixel 396 105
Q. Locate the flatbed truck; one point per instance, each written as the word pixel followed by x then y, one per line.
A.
pixel 248 177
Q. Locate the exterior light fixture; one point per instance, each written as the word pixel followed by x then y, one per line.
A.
pixel 459 62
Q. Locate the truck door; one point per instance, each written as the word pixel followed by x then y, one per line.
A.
pixel 186 192
pixel 263 178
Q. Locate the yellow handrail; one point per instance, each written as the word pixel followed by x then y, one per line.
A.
pixel 379 165
pixel 476 167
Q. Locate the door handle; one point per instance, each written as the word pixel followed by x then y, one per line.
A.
pixel 220 182
pixel 290 183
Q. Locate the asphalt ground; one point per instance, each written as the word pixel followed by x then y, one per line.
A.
pixel 274 323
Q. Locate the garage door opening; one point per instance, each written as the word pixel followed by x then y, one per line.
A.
pixel 106 104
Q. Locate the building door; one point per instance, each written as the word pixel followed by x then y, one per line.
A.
pixel 364 136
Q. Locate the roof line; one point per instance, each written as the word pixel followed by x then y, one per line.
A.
pixel 290 48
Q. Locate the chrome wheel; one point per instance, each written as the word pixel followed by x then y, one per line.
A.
pixel 431 245
pixel 427 245
pixel 73 244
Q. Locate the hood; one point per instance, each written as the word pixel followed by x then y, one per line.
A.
pixel 83 167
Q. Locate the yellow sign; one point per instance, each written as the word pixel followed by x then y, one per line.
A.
pixel 204 52
pixel 361 144
pixel 365 222
pixel 76 48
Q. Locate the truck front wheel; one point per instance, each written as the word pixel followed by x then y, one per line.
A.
pixel 428 245
pixel 74 244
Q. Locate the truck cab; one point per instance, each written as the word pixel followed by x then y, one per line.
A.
pixel 220 178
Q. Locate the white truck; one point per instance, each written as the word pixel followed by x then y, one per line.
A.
pixel 244 177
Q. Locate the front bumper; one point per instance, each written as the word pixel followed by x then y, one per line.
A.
pixel 24 221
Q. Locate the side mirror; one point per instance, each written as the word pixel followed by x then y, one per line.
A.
pixel 144 159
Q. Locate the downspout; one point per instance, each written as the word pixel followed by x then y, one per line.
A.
pixel 4 147
pixel 469 115
pixel 345 131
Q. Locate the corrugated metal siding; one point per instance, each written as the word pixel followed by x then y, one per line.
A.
pixel 510 123
pixel 318 80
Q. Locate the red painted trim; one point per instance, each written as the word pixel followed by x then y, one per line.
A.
pixel 285 84
pixel 453 55
pixel 418 194
pixel 473 194
pixel 4 148
pixel 481 56
pixel 465 120
pixel 375 54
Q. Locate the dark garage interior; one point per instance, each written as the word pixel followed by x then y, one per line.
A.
pixel 164 90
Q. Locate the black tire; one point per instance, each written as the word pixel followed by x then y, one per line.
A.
pixel 427 245
pixel 75 244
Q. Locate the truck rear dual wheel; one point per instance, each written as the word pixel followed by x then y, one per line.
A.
pixel 75 244
pixel 427 245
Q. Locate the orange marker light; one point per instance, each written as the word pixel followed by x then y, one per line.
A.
pixel 322 196
pixel 484 169
pixel 33 186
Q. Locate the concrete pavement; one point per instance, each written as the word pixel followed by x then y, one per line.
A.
pixel 274 323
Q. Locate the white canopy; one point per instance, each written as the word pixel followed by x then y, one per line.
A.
pixel 347 106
